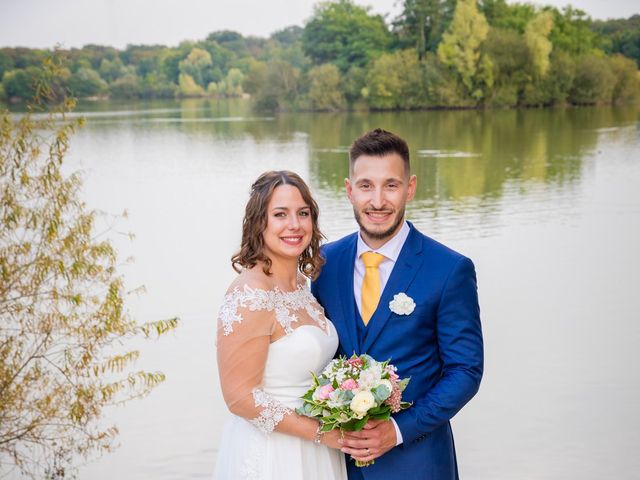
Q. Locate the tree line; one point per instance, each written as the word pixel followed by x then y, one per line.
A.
pixel 434 54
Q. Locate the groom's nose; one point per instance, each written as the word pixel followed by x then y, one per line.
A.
pixel 376 199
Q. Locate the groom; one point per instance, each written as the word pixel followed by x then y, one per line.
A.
pixel 433 336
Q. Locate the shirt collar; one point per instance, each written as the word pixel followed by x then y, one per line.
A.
pixel 391 249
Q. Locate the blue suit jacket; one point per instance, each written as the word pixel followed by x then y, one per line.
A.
pixel 439 345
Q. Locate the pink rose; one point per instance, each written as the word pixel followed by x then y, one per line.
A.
pixel 349 384
pixel 355 362
pixel 323 392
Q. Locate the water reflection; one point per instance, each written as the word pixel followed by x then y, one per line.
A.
pixel 471 163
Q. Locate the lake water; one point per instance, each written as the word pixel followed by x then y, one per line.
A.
pixel 546 203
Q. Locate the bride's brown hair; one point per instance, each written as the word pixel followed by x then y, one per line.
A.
pixel 255 223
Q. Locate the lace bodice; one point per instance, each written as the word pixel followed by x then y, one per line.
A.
pixel 261 378
pixel 284 303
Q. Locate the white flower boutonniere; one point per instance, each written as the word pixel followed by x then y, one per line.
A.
pixel 402 304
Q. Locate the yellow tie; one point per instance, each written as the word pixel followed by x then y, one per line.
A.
pixel 370 284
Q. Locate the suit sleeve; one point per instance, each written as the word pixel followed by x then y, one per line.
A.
pixel 461 352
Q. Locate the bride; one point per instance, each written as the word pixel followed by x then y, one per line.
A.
pixel 271 334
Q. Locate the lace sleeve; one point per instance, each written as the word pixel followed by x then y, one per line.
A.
pixel 245 325
pixel 272 413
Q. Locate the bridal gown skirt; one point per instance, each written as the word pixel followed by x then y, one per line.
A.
pixel 247 453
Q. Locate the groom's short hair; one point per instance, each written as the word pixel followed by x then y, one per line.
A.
pixel 378 143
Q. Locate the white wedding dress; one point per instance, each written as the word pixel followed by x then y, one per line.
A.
pixel 250 448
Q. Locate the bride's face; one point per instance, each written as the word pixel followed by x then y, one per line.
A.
pixel 289 223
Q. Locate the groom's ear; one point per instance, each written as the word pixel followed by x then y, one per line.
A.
pixel 348 187
pixel 411 187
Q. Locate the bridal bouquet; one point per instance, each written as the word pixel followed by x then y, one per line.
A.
pixel 350 392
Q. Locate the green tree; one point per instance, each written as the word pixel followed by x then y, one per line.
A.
pixel 145 58
pixel 353 84
pixel 555 86
pixel 170 64
pixel 230 40
pixel 325 91
pixel 395 80
pixel 231 86
pixel 288 35
pixel 536 36
pixel 510 59
pixel 442 87
pixel 20 83
pixel 422 23
pixel 125 87
pixel 65 326
pixel 626 88
pixel 280 88
pixel 86 82
pixel 572 33
pixel 222 60
pixel 188 86
pixel 622 36
pixel 345 34
pixel 156 86
pixel 255 77
pixel 111 70
pixel 460 48
pixel 197 65
pixel 6 63
pixel 593 82
pixel 508 16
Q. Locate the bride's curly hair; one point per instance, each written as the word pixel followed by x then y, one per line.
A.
pixel 255 223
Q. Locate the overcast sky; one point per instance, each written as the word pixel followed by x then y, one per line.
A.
pixel 74 23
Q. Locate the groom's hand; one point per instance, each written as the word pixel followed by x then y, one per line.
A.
pixel 374 440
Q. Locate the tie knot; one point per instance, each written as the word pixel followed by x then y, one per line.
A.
pixel 372 259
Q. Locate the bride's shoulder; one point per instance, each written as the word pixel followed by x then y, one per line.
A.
pixel 248 283
pixel 245 297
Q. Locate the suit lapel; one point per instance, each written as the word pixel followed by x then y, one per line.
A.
pixel 345 282
pixel 403 273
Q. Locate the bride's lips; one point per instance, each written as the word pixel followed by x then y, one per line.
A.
pixel 293 240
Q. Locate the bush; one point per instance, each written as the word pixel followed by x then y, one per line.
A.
pixel 325 90
pixel 188 87
pixel 86 82
pixel 396 80
pixel 21 83
pixel 627 81
pixel 62 303
pixel 125 87
pixel 594 81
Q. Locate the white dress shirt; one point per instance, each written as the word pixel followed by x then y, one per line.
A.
pixel 390 251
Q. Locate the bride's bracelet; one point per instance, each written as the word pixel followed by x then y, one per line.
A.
pixel 318 438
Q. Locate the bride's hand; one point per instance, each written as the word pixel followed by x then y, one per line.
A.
pixel 330 439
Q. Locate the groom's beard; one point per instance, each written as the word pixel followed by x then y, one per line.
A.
pixel 385 233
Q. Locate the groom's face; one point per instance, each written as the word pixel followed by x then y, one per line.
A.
pixel 379 188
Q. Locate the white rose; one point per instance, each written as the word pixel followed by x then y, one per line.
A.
pixel 402 304
pixel 362 402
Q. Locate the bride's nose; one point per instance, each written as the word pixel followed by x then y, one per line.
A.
pixel 294 222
